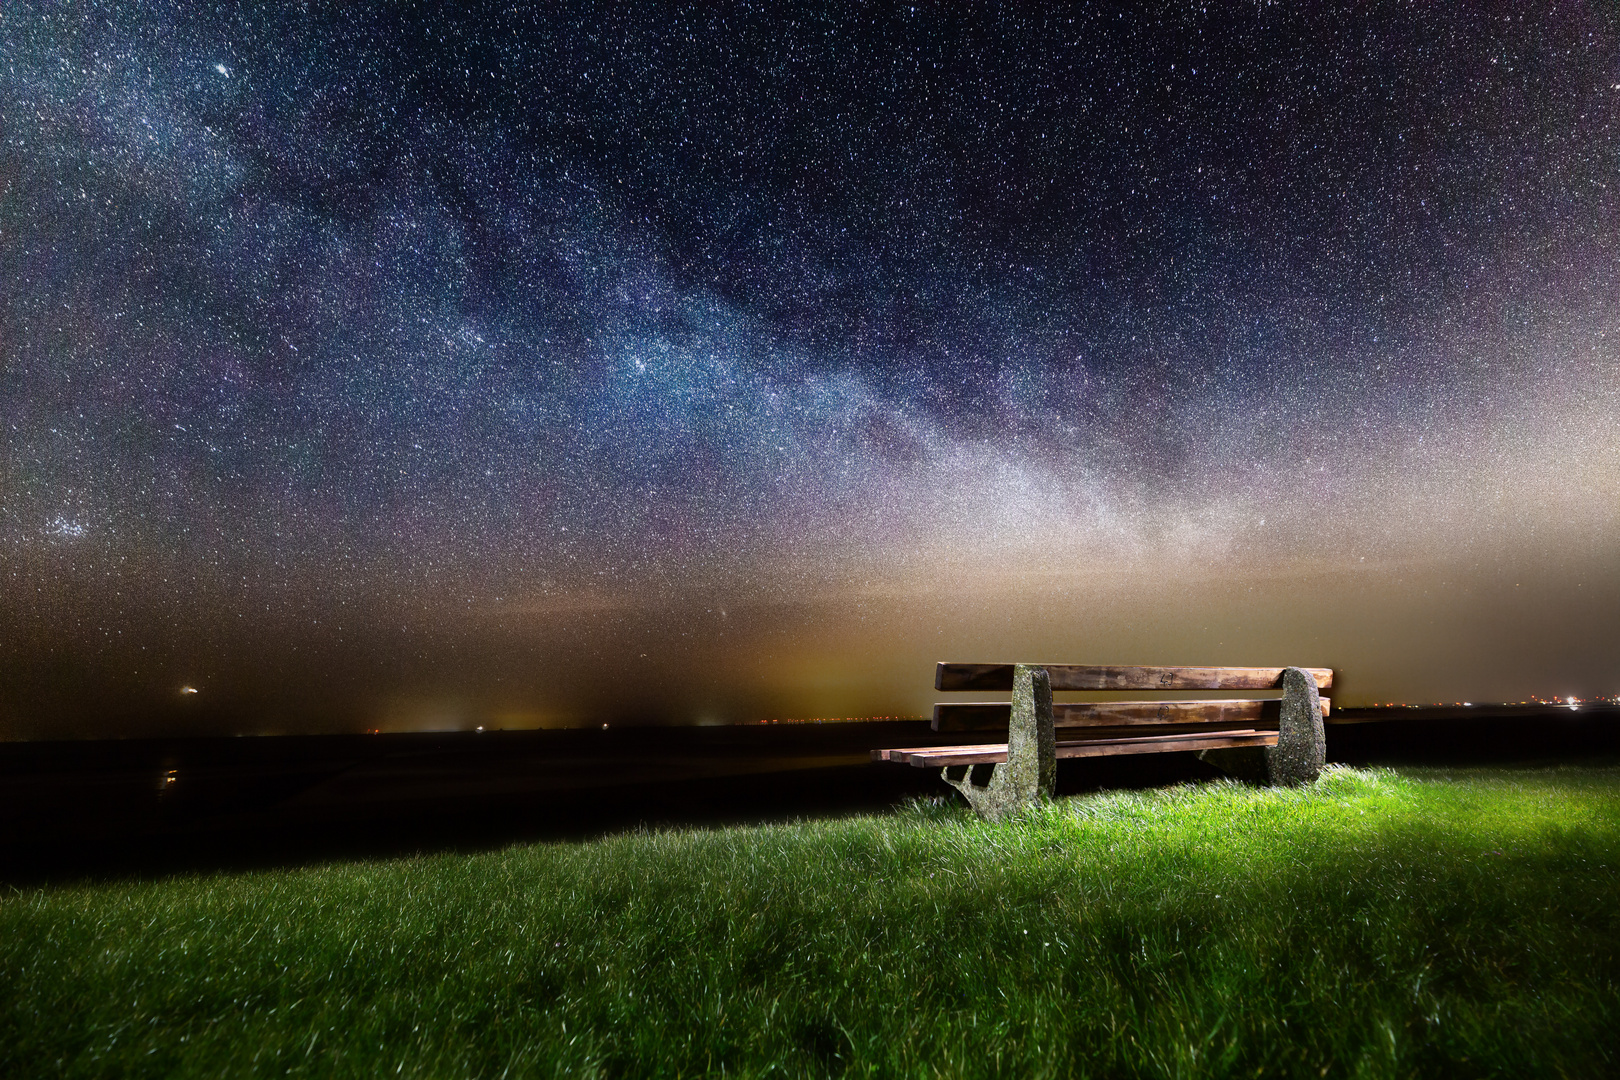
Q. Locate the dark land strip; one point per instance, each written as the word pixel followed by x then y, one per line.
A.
pixel 154 807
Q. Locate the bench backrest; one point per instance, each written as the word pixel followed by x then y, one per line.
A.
pixel 1104 717
pixel 1090 677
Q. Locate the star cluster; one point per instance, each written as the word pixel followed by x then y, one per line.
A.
pixel 379 365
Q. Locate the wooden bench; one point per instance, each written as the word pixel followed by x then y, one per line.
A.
pixel 1280 739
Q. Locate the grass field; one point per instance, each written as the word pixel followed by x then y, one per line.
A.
pixel 1376 924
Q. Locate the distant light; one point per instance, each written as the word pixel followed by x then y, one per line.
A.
pixel 480 727
pixel 1470 703
pixel 604 727
pixel 188 689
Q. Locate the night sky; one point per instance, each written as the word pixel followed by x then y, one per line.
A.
pixel 378 367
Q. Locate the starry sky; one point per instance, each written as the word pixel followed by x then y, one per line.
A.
pixel 387 366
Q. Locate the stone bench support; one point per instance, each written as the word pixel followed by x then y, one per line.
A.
pixel 1029 774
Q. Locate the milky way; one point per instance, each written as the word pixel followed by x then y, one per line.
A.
pixel 385 369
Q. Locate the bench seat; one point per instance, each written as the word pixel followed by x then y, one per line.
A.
pixel 995 753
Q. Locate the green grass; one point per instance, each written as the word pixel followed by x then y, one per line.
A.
pixel 1376 924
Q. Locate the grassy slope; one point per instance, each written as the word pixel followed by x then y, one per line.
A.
pixel 1376 924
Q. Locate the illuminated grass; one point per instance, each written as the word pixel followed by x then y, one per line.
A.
pixel 1378 924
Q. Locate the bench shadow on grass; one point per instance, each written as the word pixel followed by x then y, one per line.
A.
pixel 79 822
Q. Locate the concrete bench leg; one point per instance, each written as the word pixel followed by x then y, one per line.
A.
pixel 1030 772
pixel 1301 748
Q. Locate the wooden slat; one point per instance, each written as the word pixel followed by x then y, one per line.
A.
pixel 1083 677
pixel 1211 740
pixel 1230 712
pixel 995 753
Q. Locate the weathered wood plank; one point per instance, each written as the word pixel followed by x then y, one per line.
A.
pixel 1087 677
pixel 1240 712
pixel 981 754
pixel 995 753
pixel 1210 740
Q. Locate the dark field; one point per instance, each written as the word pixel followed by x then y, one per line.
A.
pixel 155 806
